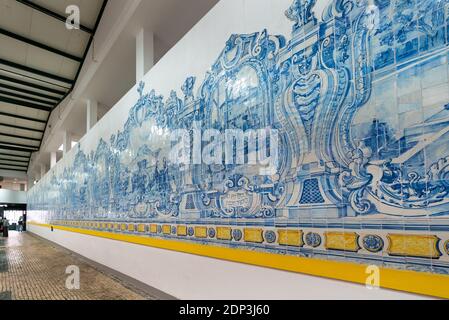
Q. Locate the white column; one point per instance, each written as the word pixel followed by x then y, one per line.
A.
pixel 66 142
pixel 30 181
pixel 36 176
pixel 92 114
pixel 144 53
pixel 43 170
pixel 53 159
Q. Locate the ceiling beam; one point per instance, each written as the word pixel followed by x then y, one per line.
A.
pixel 11 115
pixel 91 38
pixel 18 137
pixel 21 145
pixel 39 45
pixel 13 155
pixel 15 207
pixel 16 95
pixel 33 93
pixel 24 104
pixel 5 159
pixel 13 165
pixel 12 169
pixel 86 51
pixel 33 85
pixel 15 149
pixel 20 127
pixel 35 71
pixel 51 14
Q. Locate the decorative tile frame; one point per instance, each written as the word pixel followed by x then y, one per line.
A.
pixel 360 99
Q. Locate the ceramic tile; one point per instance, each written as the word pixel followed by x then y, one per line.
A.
pixel 359 100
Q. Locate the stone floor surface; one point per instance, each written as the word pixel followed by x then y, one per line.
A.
pixel 32 268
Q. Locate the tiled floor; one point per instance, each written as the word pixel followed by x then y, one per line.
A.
pixel 33 268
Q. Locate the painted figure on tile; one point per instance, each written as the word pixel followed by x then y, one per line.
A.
pixel 140 180
pixel 301 13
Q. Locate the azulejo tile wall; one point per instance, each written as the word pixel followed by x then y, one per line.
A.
pixel 361 100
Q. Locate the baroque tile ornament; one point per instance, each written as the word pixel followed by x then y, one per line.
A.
pixel 360 100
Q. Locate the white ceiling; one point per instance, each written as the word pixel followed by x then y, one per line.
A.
pixel 27 22
pixel 30 39
pixel 169 20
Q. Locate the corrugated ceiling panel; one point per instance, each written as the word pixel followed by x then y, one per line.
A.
pixel 53 33
pixel 16 17
pixel 89 9
pixel 13 50
pixel 32 87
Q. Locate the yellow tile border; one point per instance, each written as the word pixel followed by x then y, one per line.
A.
pixel 289 237
pixel 341 240
pixel 403 280
pixel 224 233
pixel 166 229
pixel 153 228
pixel 201 232
pixel 253 235
pixel 413 245
pixel 181 231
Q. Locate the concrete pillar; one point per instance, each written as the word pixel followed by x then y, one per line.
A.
pixel 66 142
pixel 43 170
pixel 30 181
pixel 92 114
pixel 144 53
pixel 36 176
pixel 53 159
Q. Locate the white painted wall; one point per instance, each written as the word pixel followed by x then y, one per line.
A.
pixel 10 196
pixel 188 276
pixel 11 185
